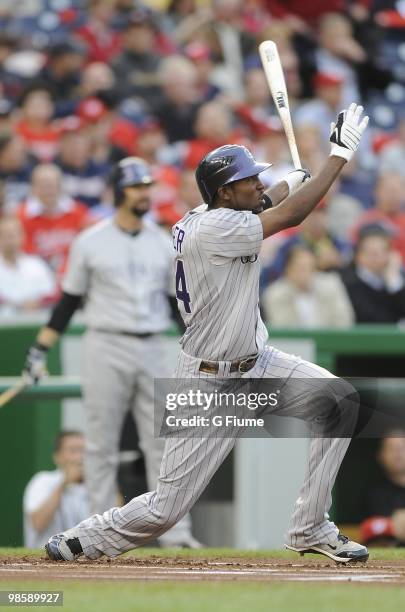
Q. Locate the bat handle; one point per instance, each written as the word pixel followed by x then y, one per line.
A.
pixel 289 132
pixel 295 156
pixel 8 395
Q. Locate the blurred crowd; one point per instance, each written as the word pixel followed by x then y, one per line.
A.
pixel 84 83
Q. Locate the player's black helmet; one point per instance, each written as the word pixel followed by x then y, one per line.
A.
pixel 223 166
pixel 128 172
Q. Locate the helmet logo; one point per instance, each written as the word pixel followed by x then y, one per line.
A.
pixel 127 174
pixel 223 162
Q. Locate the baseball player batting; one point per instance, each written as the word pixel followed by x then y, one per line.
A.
pixel 217 284
pixel 122 269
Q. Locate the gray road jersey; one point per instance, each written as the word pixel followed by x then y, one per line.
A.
pixel 125 279
pixel 217 283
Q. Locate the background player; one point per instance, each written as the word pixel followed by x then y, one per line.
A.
pixel 217 283
pixel 122 269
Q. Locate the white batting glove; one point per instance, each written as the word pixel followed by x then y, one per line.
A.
pixel 346 133
pixel 295 179
pixel 35 364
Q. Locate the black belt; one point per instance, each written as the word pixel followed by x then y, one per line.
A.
pixel 241 365
pixel 121 332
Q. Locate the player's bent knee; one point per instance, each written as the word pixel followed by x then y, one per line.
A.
pixel 336 410
pixel 163 522
pixel 165 518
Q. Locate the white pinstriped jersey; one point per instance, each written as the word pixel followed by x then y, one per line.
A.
pixel 217 283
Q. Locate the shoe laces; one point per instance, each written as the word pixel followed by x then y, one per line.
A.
pixel 344 539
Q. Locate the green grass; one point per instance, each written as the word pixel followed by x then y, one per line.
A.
pixel 383 554
pixel 219 597
pixel 210 596
pixel 212 553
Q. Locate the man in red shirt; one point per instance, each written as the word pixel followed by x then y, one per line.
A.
pixel 35 126
pixel 213 128
pixel 103 42
pixel 50 219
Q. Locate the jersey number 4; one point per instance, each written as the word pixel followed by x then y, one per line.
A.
pixel 181 287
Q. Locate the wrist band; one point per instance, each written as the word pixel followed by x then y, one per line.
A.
pixel 41 347
pixel 267 203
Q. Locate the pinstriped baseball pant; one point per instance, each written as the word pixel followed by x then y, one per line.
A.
pixel 119 376
pixel 189 463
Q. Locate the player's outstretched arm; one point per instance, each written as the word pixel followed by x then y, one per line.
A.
pixel 35 361
pixel 345 139
pixel 296 207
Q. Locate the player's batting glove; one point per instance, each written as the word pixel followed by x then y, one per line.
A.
pixel 35 364
pixel 347 131
pixel 295 179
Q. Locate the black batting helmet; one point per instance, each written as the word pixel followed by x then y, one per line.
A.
pixel 223 166
pixel 130 171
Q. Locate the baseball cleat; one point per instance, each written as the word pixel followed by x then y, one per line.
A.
pixel 342 550
pixel 61 548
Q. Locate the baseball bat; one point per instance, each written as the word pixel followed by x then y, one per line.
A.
pixel 275 78
pixel 8 395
